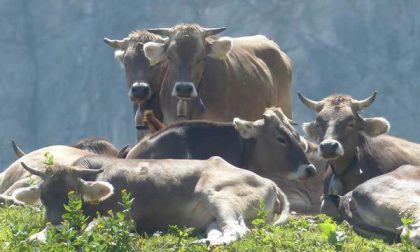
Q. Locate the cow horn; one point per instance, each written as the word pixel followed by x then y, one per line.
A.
pixel 33 170
pixel 82 172
pixel 293 122
pixel 309 103
pixel 213 31
pixel 18 150
pixel 117 44
pixel 359 105
pixel 161 31
pixel 122 153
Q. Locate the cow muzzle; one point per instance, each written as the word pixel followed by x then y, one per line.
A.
pixel 303 172
pixel 139 92
pixel 184 90
pixel 331 149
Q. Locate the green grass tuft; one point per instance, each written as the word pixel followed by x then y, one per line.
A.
pixel 114 233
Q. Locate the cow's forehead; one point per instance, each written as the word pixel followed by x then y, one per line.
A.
pixel 335 112
pixel 143 36
pixel 186 29
pixel 281 121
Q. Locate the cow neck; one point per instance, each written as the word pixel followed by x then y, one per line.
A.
pixel 246 147
pixel 197 99
pixel 350 167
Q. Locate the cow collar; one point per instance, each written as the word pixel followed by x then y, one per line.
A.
pixel 350 167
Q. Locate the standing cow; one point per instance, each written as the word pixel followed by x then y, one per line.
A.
pixel 356 148
pixel 219 78
pixel 144 80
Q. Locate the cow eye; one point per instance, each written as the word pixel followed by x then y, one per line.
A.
pixel 350 125
pixel 281 140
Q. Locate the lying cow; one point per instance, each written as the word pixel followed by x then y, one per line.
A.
pixel 96 145
pixel 375 208
pixel 204 194
pixel 357 148
pixel 270 147
pixel 101 146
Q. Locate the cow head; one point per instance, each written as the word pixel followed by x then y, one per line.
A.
pixel 144 79
pixel 57 182
pixel 338 124
pixel 278 147
pixel 186 51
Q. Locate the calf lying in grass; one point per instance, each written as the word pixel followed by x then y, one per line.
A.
pixel 205 194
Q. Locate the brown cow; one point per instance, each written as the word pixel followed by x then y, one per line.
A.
pixel 219 78
pixel 143 79
pixel 266 147
pixel 356 148
pixel 204 194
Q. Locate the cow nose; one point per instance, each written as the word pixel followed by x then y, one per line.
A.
pixel 139 91
pixel 331 149
pixel 328 145
pixel 184 90
pixel 310 170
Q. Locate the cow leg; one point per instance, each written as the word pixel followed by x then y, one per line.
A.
pixel 413 232
pixel 229 222
pixel 213 233
pixel 91 226
pixel 41 236
pixel 6 200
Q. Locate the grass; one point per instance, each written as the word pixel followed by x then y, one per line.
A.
pixel 113 233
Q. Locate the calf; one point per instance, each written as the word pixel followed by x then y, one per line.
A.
pixel 204 194
pixel 270 147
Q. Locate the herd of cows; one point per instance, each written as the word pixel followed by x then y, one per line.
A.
pixel 229 144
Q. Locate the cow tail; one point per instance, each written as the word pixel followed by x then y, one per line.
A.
pixel 281 207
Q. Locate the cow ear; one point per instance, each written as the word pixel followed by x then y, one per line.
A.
pixel 155 52
pixel 246 129
pixel 28 195
pixel 119 55
pixel 310 130
pixel 220 48
pixel 376 126
pixel 95 191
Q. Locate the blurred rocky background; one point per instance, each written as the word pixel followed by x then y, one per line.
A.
pixel 60 82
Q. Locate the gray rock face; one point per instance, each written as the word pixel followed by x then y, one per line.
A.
pixel 59 81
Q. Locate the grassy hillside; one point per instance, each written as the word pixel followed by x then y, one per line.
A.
pixel 301 233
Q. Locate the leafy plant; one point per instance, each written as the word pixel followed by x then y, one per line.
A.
pixel 330 233
pixel 49 159
pixel 262 215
